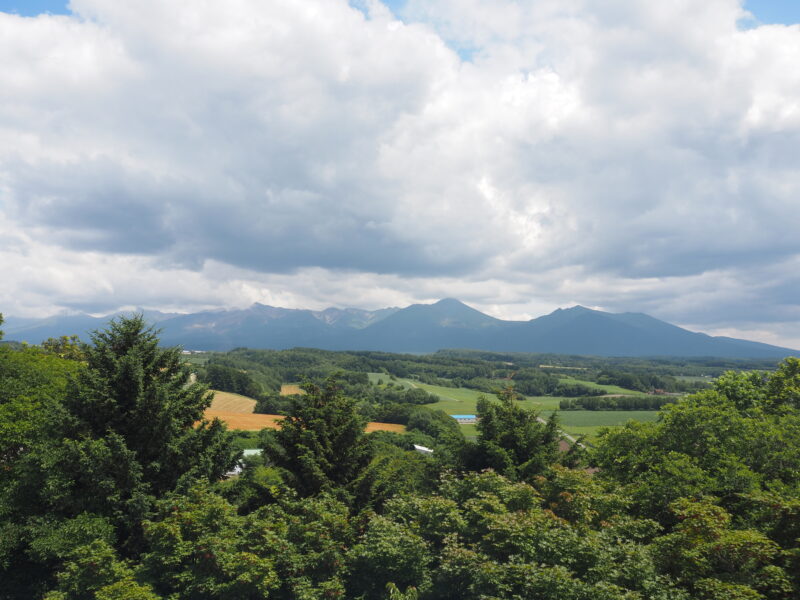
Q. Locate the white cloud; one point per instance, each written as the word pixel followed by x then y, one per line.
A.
pixel 629 155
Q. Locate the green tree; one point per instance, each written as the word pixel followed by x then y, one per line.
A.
pixel 321 444
pixel 200 548
pixel 783 388
pixel 128 430
pixel 716 561
pixel 511 439
pixel 137 390
pixel 66 346
pixel 95 572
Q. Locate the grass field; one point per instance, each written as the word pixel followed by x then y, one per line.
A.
pixel 228 402
pixel 606 389
pixel 376 377
pixel 589 422
pixel 195 359
pixel 462 401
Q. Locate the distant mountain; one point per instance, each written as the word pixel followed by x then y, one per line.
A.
pixel 418 328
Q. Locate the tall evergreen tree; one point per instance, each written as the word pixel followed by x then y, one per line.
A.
pixel 129 429
pixel 137 390
pixel 512 440
pixel 321 444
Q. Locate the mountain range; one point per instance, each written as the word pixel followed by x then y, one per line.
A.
pixel 419 328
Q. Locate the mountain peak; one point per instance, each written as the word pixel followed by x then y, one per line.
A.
pixel 444 302
pixel 577 309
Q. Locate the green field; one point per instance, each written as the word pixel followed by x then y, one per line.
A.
pixel 606 389
pixel 589 422
pixel 463 401
pixel 383 377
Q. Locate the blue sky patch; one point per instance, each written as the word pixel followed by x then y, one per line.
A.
pixel 768 12
pixel 31 8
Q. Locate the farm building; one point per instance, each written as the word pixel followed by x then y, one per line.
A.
pixel 464 419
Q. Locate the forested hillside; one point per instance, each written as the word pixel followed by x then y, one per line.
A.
pixel 113 486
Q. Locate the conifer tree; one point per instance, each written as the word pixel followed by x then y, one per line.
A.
pixel 321 444
pixel 129 430
pixel 137 390
pixel 512 440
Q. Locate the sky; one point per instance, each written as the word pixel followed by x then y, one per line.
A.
pixel 520 155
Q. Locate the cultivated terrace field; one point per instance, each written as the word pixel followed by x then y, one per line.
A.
pixel 113 486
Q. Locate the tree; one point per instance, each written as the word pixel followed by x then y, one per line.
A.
pixel 141 392
pixel 129 430
pixel 716 560
pixel 783 387
pixel 511 439
pixel 321 443
pixel 66 346
pixel 32 385
pixel 95 572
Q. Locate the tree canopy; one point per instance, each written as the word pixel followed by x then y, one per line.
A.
pixel 114 486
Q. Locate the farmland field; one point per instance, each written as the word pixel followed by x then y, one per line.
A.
pixel 589 422
pixel 376 377
pixel 289 389
pixel 456 401
pixel 229 402
pixel 244 421
pixel 237 412
pixel 256 422
pixel 606 389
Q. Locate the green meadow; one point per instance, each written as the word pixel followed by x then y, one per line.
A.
pixel 463 401
pixel 606 389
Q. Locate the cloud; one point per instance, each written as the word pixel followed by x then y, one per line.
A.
pixel 521 155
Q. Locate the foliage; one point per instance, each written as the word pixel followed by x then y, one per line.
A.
pixel 719 469
pixel 321 444
pixel 706 555
pixel 228 379
pixel 511 439
pixel 616 403
pixel 95 572
pixel 112 486
pixel 114 437
pixel 66 346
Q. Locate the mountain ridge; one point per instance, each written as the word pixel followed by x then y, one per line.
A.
pixel 418 328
